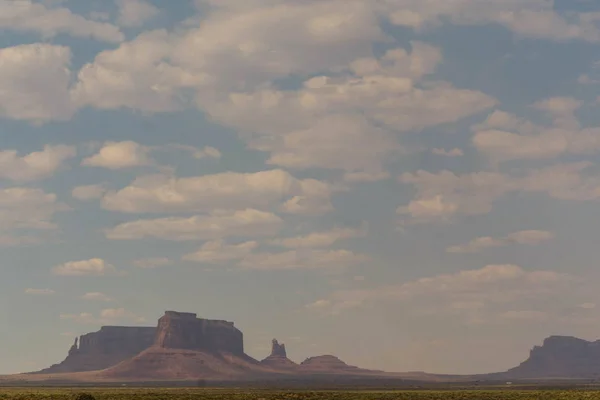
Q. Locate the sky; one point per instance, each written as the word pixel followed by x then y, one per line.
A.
pixel 411 185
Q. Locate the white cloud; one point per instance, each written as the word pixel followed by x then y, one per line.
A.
pixel 91 267
pixel 89 192
pixel 31 16
pixel 152 262
pixel 529 237
pixel 107 316
pixel 476 294
pixel 302 259
pixel 217 252
pixel 205 152
pixel 40 292
pixel 319 239
pixel 27 208
pixel 505 137
pixel 217 224
pixel 229 190
pixel 117 155
pixel 34 81
pixel 133 13
pixel 96 296
pixel 526 18
pixel 36 165
pixel 444 195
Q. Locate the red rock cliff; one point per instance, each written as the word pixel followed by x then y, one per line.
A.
pixel 104 348
pixel 179 330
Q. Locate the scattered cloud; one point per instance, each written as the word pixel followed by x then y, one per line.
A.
pixel 36 165
pixel 529 237
pixel 30 16
pixel 504 137
pixel 34 80
pixel 40 292
pixel 319 239
pixel 228 190
pixel 217 252
pixel 96 296
pixel 443 195
pixel 216 224
pixel 134 13
pixel 91 267
pixel 476 294
pixel 302 259
pixel 205 152
pixel 117 155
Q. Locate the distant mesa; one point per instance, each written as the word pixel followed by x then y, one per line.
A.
pixel 104 348
pixel 183 347
pixel 326 363
pixel 560 357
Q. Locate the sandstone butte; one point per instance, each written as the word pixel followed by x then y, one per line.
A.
pixel 183 347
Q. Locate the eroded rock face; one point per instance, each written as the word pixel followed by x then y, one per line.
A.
pixel 278 357
pixel 277 350
pixel 325 363
pixel 561 356
pixel 104 348
pixel 177 330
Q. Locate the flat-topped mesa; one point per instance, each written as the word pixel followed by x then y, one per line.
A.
pixel 560 357
pixel 178 330
pixel 104 348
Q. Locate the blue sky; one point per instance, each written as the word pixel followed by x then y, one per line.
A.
pixel 406 184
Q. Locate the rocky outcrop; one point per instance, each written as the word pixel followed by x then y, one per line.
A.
pixel 104 348
pixel 278 357
pixel 177 330
pixel 326 363
pixel 187 347
pixel 560 357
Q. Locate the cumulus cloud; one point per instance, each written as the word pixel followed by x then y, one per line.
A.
pixel 91 267
pixel 205 152
pixel 117 155
pixel 505 137
pixel 244 255
pixel 217 252
pixel 529 237
pixel 36 165
pixel 319 239
pixel 134 13
pixel 34 81
pixel 526 18
pixel 470 293
pixel 354 108
pixel 31 16
pixel 229 190
pixel 443 195
pixel 39 292
pixel 24 208
pixel 302 259
pixel 216 224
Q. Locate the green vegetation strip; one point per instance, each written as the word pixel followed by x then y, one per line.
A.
pixel 230 394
